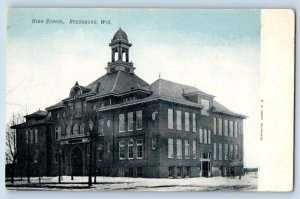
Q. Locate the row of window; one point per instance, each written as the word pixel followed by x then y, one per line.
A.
pixel 189 148
pixel 180 172
pixel 205 136
pixel 78 129
pixel 226 127
pixel 134 150
pixel 130 121
pixel 179 120
pixel 132 172
pixel 31 136
pixel 226 151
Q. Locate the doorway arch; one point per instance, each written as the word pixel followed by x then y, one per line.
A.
pixel 77 162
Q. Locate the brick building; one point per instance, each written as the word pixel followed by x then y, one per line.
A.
pixel 131 128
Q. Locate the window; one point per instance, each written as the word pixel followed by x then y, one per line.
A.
pixel 35 136
pixel 108 147
pixel 139 172
pixel 121 123
pixel 215 126
pixel 130 149
pixel 27 136
pixel 187 149
pixel 187 121
pixel 179 148
pixel 121 150
pixel 226 127
pixel 100 152
pixel 178 120
pixel 194 149
pixel 179 172
pixel 31 136
pixel 225 151
pixel 220 151
pixel 204 110
pixel 78 109
pixel 237 152
pixel 81 128
pixel 205 136
pixel 100 127
pixel 130 172
pixel 170 148
pixel 235 129
pixel 231 151
pixel 187 171
pixel 75 129
pixel 170 119
pixel 130 121
pixel 220 126
pixel 139 120
pixel 139 149
pixel 215 151
pixel 201 135
pixel 57 133
pixel 194 123
pixel 171 172
pixel 153 143
pixel 231 128
pixel 209 137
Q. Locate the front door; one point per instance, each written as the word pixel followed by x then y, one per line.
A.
pixel 77 162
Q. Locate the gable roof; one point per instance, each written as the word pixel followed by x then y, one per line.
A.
pixel 171 89
pixel 219 108
pixel 176 91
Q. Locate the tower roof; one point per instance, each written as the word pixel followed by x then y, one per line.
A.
pixel 120 35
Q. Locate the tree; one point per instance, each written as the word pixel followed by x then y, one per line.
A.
pixel 11 152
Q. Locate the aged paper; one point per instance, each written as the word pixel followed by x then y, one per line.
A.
pixel 150 99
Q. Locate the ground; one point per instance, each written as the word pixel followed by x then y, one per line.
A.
pixel 247 183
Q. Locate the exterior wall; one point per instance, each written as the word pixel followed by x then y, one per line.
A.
pixel 33 157
pixel 230 140
pixel 55 153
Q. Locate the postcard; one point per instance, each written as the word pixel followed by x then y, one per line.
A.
pixel 102 99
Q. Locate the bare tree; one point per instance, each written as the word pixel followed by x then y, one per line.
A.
pixel 11 152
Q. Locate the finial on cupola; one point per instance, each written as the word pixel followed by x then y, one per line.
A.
pixel 76 83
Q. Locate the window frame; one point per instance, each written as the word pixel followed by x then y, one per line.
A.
pixel 130 121
pixel 170 118
pixel 139 143
pixel 121 146
pixel 178 120
pixel 121 122
pixel 186 121
pixel 139 120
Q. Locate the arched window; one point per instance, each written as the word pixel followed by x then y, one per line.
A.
pixel 82 126
pixel 75 129
pixel 116 56
pixel 124 56
pixel 68 130
pixel 100 127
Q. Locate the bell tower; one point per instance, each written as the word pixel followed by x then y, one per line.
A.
pixel 120 53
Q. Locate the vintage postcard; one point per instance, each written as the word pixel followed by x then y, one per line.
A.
pixel 149 99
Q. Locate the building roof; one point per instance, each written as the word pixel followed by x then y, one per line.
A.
pixel 171 89
pixel 120 34
pixel 38 113
pixel 176 91
pixel 56 106
pixel 117 83
pixel 219 108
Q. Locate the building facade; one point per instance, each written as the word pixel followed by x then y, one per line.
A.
pixel 119 125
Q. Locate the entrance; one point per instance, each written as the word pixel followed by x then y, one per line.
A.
pixel 205 164
pixel 77 162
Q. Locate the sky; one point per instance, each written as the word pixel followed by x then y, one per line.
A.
pixel 215 50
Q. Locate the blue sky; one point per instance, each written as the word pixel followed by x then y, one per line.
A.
pixel 215 50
